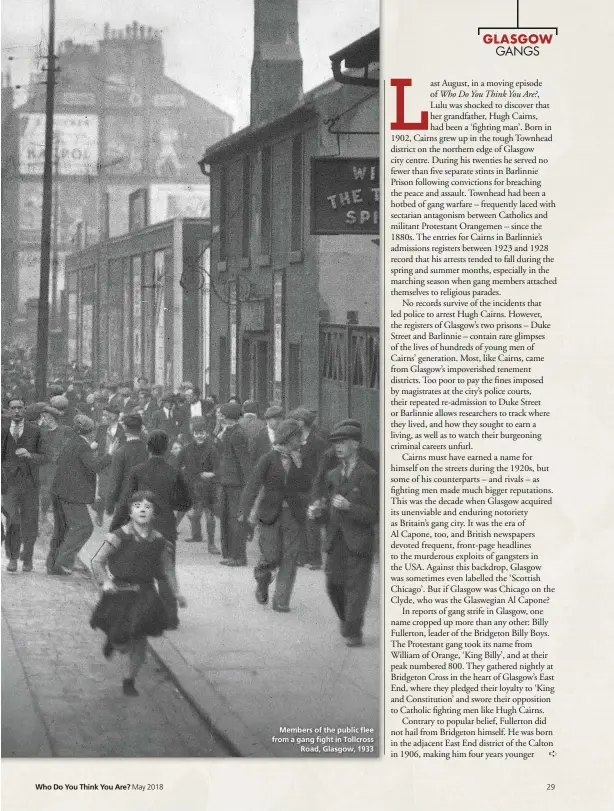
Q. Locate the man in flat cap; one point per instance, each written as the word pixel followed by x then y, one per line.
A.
pixel 233 470
pixel 165 418
pixel 350 508
pixel 130 453
pixel 283 485
pixel 54 435
pixel 266 437
pixel 198 461
pixel 110 436
pixel 74 485
pixel 67 412
pixel 313 446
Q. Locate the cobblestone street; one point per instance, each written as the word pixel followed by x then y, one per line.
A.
pixel 75 705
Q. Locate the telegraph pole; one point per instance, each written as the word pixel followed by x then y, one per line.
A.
pixel 42 338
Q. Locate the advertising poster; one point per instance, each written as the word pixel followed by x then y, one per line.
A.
pixel 76 143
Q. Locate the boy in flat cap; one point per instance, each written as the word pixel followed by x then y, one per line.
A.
pixel 266 437
pixel 233 470
pixel 350 508
pixel 283 484
pixel 313 446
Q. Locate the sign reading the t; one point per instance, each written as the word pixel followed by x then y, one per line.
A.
pixel 401 123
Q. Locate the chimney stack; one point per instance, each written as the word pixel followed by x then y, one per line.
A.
pixel 277 67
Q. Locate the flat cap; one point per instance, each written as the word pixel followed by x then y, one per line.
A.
pixel 303 414
pixel 273 411
pixel 133 421
pixel 250 407
pixel 344 430
pixel 59 401
pixel 167 397
pixel 286 430
pixel 49 409
pixel 33 411
pixel 232 411
pixel 83 425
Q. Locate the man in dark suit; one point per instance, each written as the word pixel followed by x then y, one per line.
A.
pixel 234 468
pixel 265 438
pixel 109 433
pixel 74 486
pixel 193 408
pixel 146 407
pixel 165 418
pixel 284 485
pixel 350 509
pixel 22 454
pixel 312 449
pixel 172 496
pixel 131 453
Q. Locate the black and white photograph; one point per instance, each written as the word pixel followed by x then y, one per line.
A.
pixel 190 379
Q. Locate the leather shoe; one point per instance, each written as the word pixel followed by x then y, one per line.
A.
pixel 193 540
pixel 59 571
pixel 234 562
pixel 282 609
pixel 262 593
pixel 213 550
pixel 354 642
pixel 12 567
pixel 27 567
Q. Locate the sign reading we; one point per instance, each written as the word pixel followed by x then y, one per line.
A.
pixel 345 195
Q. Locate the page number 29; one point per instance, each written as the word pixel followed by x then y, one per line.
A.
pixel 550 787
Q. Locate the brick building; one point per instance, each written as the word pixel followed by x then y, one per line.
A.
pixel 298 319
pixel 135 303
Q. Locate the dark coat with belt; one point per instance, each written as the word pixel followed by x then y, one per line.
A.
pixel 292 488
pixel 171 491
pixel 17 471
pixel 132 453
pixel 353 527
pixel 235 464
pixel 75 475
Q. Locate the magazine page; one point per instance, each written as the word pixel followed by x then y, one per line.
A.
pixel 498 350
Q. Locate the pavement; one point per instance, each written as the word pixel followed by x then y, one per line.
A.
pixel 250 672
pixel 61 698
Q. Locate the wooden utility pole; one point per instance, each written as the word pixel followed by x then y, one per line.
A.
pixel 42 337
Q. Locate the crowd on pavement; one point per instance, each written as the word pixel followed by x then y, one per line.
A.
pixel 145 458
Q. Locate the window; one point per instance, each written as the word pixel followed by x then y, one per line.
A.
pixel 223 233
pixel 296 243
pixel 246 208
pixel 265 202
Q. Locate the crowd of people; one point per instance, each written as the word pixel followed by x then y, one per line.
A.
pixel 145 458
